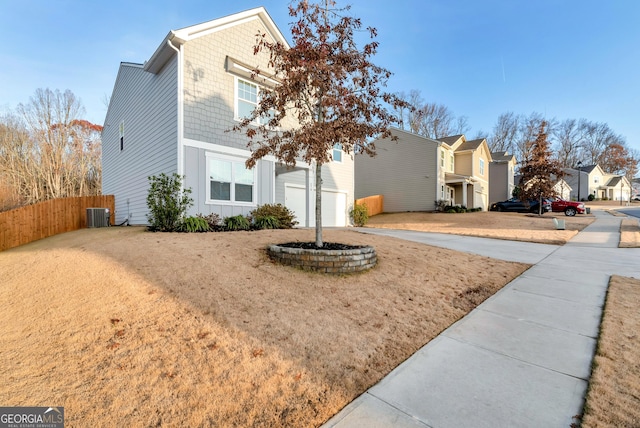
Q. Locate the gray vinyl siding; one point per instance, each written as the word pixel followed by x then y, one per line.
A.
pixel 147 104
pixel 405 172
pixel 196 177
pixel 499 186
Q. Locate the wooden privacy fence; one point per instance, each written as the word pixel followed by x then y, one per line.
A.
pixel 48 218
pixel 374 204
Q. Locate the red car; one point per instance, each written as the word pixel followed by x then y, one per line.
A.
pixel 569 208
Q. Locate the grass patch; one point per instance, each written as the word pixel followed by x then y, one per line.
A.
pixel 630 233
pixel 179 329
pixel 613 399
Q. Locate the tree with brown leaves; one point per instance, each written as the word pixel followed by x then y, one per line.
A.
pixel 539 171
pixel 328 92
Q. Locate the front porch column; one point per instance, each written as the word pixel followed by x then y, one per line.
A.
pixel 464 194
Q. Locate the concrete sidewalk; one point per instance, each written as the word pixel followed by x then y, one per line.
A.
pixel 523 357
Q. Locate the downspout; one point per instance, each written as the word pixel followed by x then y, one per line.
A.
pixel 180 166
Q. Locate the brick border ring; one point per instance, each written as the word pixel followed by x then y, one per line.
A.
pixel 351 260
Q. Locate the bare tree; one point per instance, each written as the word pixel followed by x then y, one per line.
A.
pixel 596 137
pixel 505 133
pixel 328 85
pixel 436 121
pixel 47 152
pixel 568 138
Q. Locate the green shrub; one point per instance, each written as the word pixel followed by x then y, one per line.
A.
pixel 286 218
pixel 194 224
pixel 167 202
pixel 213 220
pixel 238 222
pixel 266 222
pixel 591 197
pixel 451 211
pixel 359 214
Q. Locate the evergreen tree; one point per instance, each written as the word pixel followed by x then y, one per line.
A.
pixel 539 172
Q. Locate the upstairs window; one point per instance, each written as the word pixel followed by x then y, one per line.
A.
pixel 247 99
pixel 441 158
pixel 122 136
pixel 482 167
pixel 337 152
pixel 451 162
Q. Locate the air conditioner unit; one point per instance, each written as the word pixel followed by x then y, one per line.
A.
pixel 97 217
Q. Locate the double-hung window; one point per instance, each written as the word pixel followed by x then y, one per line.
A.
pixel 337 152
pixel 247 99
pixel 442 158
pixel 451 163
pixel 230 181
pixel 482 167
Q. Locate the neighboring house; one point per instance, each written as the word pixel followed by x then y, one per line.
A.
pixel 594 181
pixel 173 114
pixel 635 184
pixel 561 187
pixel 415 172
pixel 501 176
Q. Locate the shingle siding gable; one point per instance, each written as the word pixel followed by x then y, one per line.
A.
pixel 209 89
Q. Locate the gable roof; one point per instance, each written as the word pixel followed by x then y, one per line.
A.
pixel 588 168
pixel 502 157
pixel 470 145
pixel 176 38
pixel 452 139
pixel 614 181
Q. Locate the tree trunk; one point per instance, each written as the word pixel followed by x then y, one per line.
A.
pixel 319 242
pixel 540 206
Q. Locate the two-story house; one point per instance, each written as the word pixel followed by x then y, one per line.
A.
pixel 173 113
pixel 593 180
pixel 414 172
pixel 501 176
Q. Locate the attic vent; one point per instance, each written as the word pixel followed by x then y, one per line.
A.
pixel 97 217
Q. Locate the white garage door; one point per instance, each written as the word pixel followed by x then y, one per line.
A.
pixel 334 208
pixel 295 199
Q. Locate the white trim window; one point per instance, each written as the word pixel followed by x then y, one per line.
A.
pixel 121 128
pixel 247 98
pixel 451 163
pixel 337 152
pixel 229 181
pixel 442 158
pixel 482 167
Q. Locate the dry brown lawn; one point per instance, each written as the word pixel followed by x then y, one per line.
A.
pixel 629 233
pixel 125 327
pixel 613 399
pixel 511 226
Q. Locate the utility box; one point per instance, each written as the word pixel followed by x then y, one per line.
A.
pixel 97 217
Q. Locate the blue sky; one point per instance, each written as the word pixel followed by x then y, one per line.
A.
pixel 562 58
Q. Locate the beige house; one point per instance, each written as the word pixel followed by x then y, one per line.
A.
pixel 592 180
pixel 172 114
pixel 501 176
pixel 414 173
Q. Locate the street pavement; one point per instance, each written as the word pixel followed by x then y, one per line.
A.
pixel 520 359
